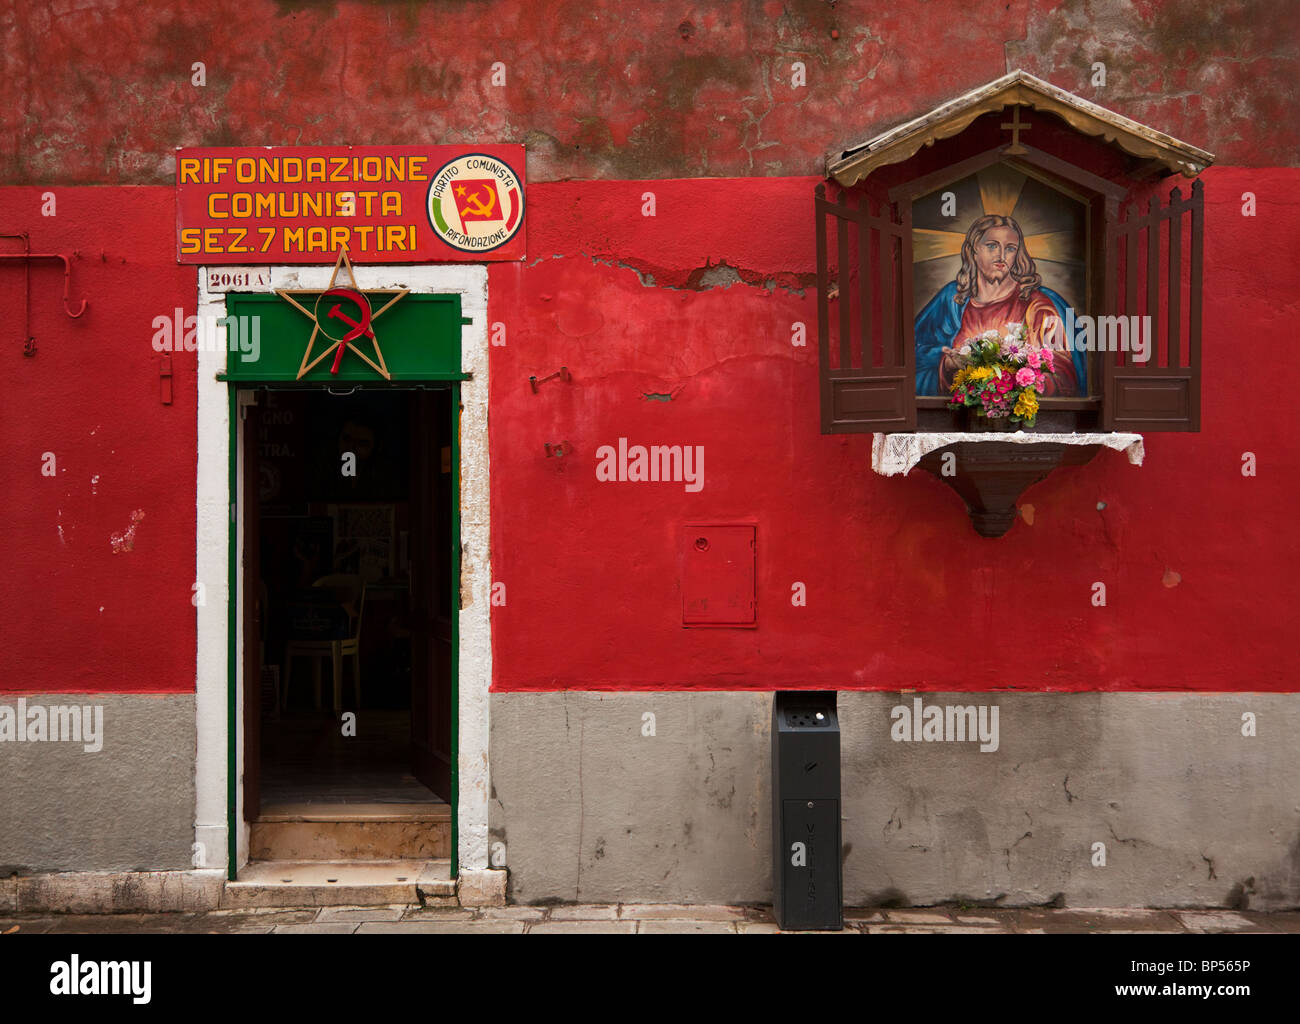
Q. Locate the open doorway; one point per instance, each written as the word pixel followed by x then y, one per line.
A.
pixel 347 513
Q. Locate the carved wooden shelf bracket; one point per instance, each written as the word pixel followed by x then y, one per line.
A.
pixel 990 472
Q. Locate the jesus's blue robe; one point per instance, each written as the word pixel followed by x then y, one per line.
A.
pixel 937 324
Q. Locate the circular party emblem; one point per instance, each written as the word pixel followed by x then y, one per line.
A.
pixel 476 203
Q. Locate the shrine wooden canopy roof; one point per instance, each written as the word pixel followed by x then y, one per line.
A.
pixel 1017 89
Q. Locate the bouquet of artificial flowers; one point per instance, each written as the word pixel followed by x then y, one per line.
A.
pixel 1004 375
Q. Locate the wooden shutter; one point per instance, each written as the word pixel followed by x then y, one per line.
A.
pixel 867 358
pixel 1162 248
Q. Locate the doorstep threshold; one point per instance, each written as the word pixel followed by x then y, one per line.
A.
pixel 321 812
pixel 272 883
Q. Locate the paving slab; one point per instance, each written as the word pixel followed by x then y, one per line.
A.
pixel 431 927
pixel 686 928
pixel 928 929
pixel 583 928
pixel 262 912
pixel 851 927
pixel 103 924
pixel 986 919
pixel 1282 921
pixel 1216 921
pixel 25 925
pixel 679 912
pixel 318 928
pixel 438 914
pixel 586 912
pixel 228 923
pixel 511 914
pixel 1104 919
pixel 917 917
pixel 1117 913
pixel 360 914
pixel 234 928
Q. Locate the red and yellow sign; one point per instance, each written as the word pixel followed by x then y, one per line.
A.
pixel 383 204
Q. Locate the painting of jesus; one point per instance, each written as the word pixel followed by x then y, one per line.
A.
pixel 995 282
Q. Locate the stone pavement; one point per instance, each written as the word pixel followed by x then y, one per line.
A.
pixel 650 919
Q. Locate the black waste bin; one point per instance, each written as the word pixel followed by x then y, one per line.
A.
pixel 807 880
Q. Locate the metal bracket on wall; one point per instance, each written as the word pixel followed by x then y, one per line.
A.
pixel 562 373
pixel 29 342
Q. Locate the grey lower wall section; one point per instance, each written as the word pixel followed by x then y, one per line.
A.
pixel 1191 811
pixel 126 807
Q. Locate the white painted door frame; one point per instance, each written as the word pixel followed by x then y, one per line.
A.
pixel 216 507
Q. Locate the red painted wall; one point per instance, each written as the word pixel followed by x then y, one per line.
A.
pixel 77 616
pixel 591 569
pixel 901 592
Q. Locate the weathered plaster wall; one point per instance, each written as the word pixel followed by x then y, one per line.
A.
pixel 677 330
pixel 1191 812
pixel 126 807
pixel 102 92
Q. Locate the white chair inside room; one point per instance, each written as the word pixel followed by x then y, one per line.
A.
pixel 350 592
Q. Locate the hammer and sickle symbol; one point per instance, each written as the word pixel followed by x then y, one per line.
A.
pixel 474 205
pixel 358 329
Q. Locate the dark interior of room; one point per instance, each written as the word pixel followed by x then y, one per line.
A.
pixel 341 479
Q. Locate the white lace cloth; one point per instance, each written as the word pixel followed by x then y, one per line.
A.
pixel 892 454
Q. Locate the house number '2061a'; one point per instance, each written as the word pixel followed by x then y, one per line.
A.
pixel 227 280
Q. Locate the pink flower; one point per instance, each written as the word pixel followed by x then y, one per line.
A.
pixel 1048 356
pixel 1035 357
pixel 1025 376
